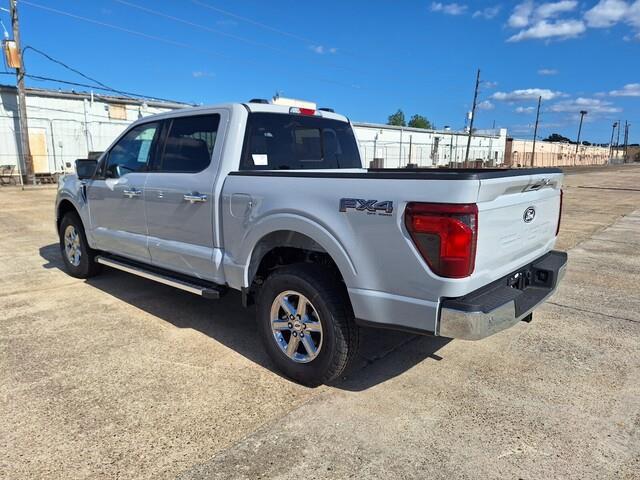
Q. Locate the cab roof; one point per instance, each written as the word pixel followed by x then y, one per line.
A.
pixel 252 107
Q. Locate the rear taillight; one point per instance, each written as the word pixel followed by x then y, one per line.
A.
pixel 445 235
pixel 559 214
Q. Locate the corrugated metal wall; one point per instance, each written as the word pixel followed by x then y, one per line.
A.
pixel 63 129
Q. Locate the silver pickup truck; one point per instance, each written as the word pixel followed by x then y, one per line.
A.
pixel 273 201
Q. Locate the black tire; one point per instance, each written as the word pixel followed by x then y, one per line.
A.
pixel 86 267
pixel 339 331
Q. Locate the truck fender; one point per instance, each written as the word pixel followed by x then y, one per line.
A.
pixel 306 232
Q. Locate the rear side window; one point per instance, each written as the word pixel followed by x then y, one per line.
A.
pixel 189 144
pixel 278 141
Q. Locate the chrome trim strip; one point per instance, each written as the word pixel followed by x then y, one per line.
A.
pixel 156 277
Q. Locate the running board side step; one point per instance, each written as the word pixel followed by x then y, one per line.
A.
pixel 204 291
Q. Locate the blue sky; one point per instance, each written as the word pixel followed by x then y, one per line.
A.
pixel 364 58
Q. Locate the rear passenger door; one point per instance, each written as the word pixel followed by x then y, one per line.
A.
pixel 179 197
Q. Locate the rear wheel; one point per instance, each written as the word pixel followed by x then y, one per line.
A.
pixel 306 323
pixel 78 257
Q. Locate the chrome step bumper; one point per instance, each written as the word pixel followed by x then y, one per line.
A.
pixel 501 304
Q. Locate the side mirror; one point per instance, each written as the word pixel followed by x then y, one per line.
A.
pixel 86 168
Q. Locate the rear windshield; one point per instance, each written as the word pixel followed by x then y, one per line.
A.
pixel 277 141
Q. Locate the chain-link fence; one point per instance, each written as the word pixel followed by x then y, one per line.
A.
pixel 428 154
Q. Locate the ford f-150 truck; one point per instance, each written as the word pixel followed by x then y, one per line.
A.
pixel 273 201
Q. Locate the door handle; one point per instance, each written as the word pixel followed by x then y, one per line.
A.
pixel 195 197
pixel 133 192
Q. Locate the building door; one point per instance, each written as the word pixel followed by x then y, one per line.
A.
pixel 38 147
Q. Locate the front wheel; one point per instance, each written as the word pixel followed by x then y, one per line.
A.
pixel 306 323
pixel 78 257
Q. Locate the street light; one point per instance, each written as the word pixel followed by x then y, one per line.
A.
pixel 613 130
pixel 582 114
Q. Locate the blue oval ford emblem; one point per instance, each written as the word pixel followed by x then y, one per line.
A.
pixel 529 215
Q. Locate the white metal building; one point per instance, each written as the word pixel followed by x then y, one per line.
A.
pixel 398 146
pixel 64 126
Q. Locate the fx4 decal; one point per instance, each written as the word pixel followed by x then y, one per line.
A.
pixel 370 206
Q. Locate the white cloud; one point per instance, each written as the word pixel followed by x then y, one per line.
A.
pixel 486 105
pixel 527 13
pixel 629 90
pixel 489 84
pixel 562 29
pixel 201 74
pixel 560 20
pixel 547 71
pixel 526 95
pixel 606 13
pixel 448 8
pixel 487 13
pixel 321 49
pixel 553 9
pixel 593 106
pixel 538 22
pixel 525 109
pixel 521 15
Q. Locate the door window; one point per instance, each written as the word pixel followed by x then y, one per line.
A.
pixel 132 152
pixel 189 144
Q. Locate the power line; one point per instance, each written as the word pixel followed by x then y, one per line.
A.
pixel 253 22
pixel 160 39
pixel 95 87
pixel 197 25
pixel 123 29
pixel 310 42
pixel 49 57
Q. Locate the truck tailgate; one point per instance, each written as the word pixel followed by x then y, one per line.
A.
pixel 517 221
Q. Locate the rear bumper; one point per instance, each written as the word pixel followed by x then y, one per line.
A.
pixel 500 305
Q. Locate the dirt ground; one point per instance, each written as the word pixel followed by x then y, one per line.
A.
pixel 119 377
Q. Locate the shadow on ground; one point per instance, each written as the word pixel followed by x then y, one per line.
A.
pixel 383 354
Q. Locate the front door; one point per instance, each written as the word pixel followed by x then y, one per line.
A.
pixel 116 200
pixel 180 199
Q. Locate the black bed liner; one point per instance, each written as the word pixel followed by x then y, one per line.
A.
pixel 410 174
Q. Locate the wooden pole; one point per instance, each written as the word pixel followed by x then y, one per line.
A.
pixel 28 172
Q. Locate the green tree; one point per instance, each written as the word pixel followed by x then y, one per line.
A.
pixel 418 121
pixel 556 137
pixel 397 119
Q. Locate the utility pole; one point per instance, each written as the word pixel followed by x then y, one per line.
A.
pixel 582 114
pixel 473 115
pixel 626 140
pixel 613 131
pixel 22 106
pixel 535 133
pixel 618 139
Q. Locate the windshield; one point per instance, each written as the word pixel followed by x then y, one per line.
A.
pixel 278 141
